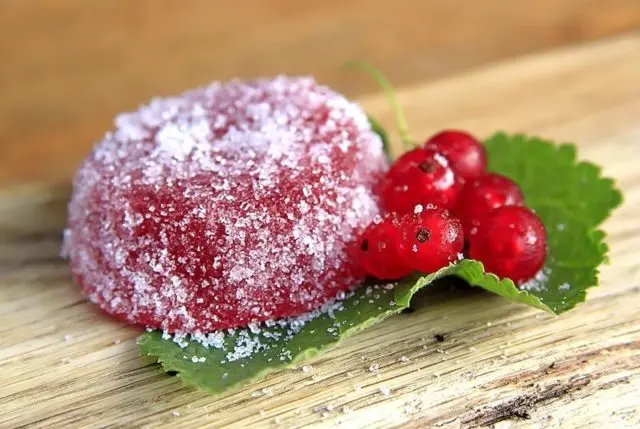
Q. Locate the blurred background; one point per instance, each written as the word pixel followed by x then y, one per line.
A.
pixel 68 66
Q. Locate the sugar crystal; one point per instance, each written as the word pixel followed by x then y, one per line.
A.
pixel 228 205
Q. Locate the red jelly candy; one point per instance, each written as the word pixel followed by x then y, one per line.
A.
pixel 227 205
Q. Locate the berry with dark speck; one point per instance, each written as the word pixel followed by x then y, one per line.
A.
pixel 378 250
pixel 430 239
pixel 421 176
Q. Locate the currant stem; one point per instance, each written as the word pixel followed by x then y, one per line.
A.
pixel 401 120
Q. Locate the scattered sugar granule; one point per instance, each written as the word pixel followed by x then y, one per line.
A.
pixel 226 205
pixel 403 359
pixel 537 283
pixel 386 391
pixel 564 286
pixel 175 413
pixel 469 375
pixel 472 349
pixel 118 341
pixel 346 409
pixel 307 368
pixel 68 337
pixel 374 368
pixel 262 413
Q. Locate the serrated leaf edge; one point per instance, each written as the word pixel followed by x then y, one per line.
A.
pixel 597 235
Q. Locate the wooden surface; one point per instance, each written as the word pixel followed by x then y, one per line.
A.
pixel 63 364
pixel 68 66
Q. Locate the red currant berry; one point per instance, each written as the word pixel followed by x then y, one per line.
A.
pixel 421 176
pixel 378 250
pixel 483 194
pixel 430 239
pixel 467 156
pixel 511 242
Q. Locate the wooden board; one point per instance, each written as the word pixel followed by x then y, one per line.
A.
pixel 64 364
pixel 70 65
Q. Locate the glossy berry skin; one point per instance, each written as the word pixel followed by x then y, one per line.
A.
pixel 482 195
pixel 421 176
pixel 430 239
pixel 377 250
pixel 466 155
pixel 511 242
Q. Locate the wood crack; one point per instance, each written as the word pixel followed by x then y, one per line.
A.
pixel 521 406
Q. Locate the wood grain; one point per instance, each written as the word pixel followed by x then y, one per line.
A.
pixel 68 66
pixel 499 363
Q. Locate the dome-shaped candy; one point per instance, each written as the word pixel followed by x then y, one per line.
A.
pixel 227 205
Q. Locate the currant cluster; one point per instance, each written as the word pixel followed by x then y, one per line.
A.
pixel 441 204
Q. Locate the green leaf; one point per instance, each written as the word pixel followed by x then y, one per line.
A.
pixel 575 252
pixel 279 348
pixel 571 199
pixel 550 176
pixel 377 128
